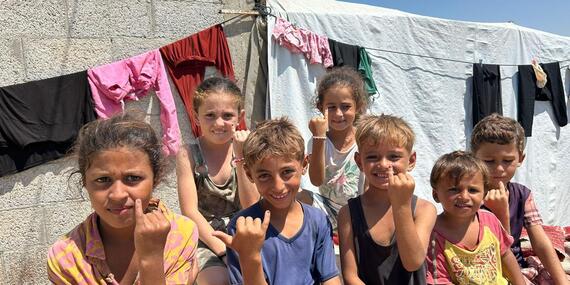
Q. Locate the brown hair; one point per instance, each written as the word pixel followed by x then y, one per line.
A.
pixel 374 129
pixel 277 137
pixel 456 165
pixel 216 85
pixel 343 77
pixel 497 129
pixel 122 130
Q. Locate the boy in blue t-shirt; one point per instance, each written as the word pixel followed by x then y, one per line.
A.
pixel 293 243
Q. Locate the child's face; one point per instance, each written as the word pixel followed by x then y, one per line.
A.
pixel 114 180
pixel 341 108
pixel 277 179
pixel 502 161
pixel 462 199
pixel 374 160
pixel 218 116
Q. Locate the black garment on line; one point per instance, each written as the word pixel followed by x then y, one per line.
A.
pixel 486 91
pixel 528 92
pixel 40 120
pixel 344 54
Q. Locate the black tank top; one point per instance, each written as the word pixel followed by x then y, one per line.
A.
pixel 379 264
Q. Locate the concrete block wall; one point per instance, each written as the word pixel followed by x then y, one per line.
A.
pixel 46 38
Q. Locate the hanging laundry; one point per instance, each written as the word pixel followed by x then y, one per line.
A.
pixel 365 69
pixel 40 120
pixel 344 54
pixel 255 89
pixel 553 91
pixel 186 61
pixel 486 91
pixel 315 47
pixel 132 78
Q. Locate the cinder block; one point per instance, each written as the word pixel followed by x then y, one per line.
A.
pixel 60 218
pixel 12 71
pixel 178 19
pixel 26 266
pixel 125 47
pixel 17 191
pixel 40 18
pixel 167 190
pixel 21 228
pixel 53 57
pixel 58 186
pixel 95 18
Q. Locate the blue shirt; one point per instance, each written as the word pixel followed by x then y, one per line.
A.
pixel 306 258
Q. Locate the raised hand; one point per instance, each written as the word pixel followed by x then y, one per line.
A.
pixel 400 187
pixel 249 237
pixel 319 125
pixel 497 200
pixel 151 231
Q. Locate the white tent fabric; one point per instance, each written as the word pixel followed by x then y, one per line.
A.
pixel 431 93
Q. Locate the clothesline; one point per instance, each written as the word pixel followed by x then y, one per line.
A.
pixel 449 59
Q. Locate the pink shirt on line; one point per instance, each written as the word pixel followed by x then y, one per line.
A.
pixel 133 78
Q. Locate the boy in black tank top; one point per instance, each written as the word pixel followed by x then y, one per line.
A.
pixel 384 233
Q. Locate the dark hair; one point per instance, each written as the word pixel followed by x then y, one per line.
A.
pixel 497 129
pixel 456 165
pixel 277 137
pixel 343 77
pixel 122 130
pixel 213 85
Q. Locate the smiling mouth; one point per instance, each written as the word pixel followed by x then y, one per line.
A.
pixel 462 206
pixel 279 197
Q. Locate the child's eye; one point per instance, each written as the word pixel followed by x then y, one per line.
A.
pixel 209 116
pixel 132 178
pixel 394 157
pixel 488 161
pixel 330 108
pixel 346 107
pixel 452 189
pixel 508 161
pixel 474 190
pixel 263 177
pixel 371 158
pixel 288 172
pixel 103 179
pixel 228 116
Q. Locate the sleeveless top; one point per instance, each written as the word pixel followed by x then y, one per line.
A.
pixel 518 194
pixel 379 264
pixel 217 203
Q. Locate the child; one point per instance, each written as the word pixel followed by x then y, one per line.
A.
pixel 469 245
pixel 341 99
pixel 294 246
pixel 131 237
pixel 212 185
pixel 384 232
pixel 499 142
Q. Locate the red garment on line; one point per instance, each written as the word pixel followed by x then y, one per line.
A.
pixel 186 62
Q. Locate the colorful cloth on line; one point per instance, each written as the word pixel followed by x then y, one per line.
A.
pixel 79 256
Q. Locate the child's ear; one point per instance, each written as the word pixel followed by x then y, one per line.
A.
pixel 521 159
pixel 305 164
pixel 357 160
pixel 248 173
pixel 434 195
pixel 412 161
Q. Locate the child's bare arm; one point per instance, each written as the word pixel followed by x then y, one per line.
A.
pixel 347 251
pixel 188 199
pixel 318 127
pixel 412 235
pixel 497 200
pixel 247 242
pixel 247 192
pixel 511 269
pixel 543 248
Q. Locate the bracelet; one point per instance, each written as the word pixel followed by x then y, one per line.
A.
pixel 235 161
pixel 319 138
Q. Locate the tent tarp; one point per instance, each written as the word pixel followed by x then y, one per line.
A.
pixel 432 94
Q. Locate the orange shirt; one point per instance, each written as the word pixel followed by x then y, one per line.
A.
pixel 79 256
